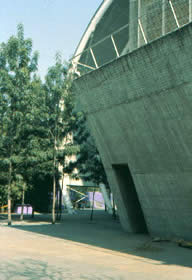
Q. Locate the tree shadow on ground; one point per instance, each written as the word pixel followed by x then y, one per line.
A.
pixel 29 269
pixel 104 232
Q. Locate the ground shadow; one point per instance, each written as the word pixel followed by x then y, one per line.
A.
pixel 31 270
pixel 104 232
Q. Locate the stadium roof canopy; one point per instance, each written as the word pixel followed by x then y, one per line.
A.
pixel 120 26
pixel 106 34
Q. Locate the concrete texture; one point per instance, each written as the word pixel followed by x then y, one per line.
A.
pixel 139 110
pixel 115 17
pixel 132 23
pixel 77 249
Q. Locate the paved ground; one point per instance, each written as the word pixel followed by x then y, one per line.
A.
pixel 79 249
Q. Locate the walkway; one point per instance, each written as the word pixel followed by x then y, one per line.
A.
pixel 79 249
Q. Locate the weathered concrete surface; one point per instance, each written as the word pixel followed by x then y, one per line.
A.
pixel 77 249
pixel 139 109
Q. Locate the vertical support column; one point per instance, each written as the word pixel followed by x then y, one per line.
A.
pixel 133 24
pixel 65 194
pixel 66 197
pixel 163 16
pixel 190 10
pixel 138 24
pixel 106 198
pixel 141 32
pixel 132 28
pixel 67 200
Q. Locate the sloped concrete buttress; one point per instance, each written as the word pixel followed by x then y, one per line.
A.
pixel 139 109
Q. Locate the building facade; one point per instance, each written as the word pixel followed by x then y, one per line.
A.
pixel 138 102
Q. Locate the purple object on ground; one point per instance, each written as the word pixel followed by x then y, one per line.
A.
pixel 27 209
pixel 98 200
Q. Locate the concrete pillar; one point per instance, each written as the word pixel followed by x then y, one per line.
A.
pixel 106 198
pixel 163 16
pixel 142 23
pixel 66 197
pixel 190 10
pixel 133 27
pixel 133 24
pixel 139 35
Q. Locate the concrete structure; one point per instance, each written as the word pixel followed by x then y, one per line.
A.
pixel 139 109
pixel 119 27
pixel 106 198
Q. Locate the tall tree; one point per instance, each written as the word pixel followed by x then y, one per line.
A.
pixel 17 68
pixel 59 107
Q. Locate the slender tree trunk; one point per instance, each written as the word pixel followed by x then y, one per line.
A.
pixel 9 195
pixel 59 205
pixel 61 183
pixel 54 199
pixel 105 207
pixel 91 217
pixel 54 183
pixel 114 212
pixel 22 203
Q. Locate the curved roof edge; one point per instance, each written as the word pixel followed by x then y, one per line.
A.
pixel 91 27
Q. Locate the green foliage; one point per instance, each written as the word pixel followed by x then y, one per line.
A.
pixel 59 104
pixel 88 161
pixel 17 71
pixel 39 128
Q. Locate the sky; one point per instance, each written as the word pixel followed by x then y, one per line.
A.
pixel 53 25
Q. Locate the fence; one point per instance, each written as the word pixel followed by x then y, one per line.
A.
pixel 151 20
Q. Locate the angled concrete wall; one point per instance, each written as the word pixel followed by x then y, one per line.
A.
pixel 139 109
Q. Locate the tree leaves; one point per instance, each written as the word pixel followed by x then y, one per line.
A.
pixel 17 68
pixel 39 128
